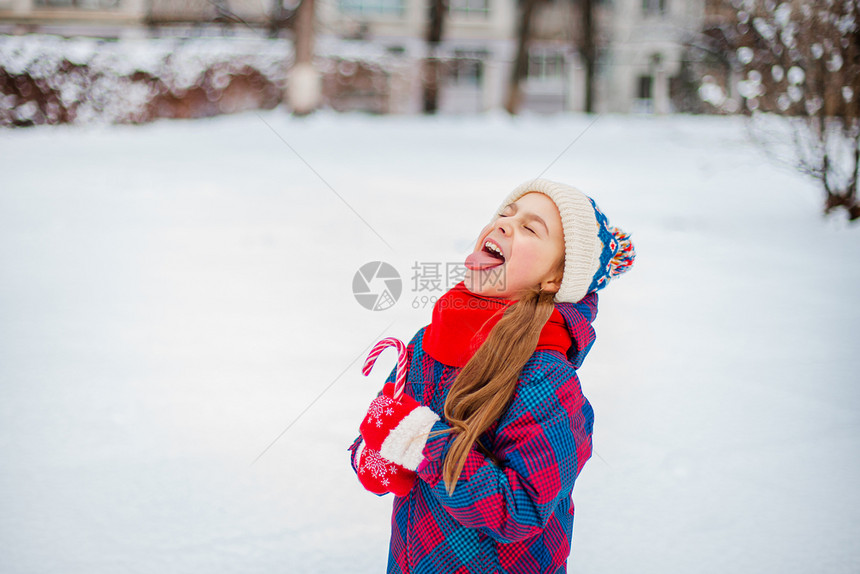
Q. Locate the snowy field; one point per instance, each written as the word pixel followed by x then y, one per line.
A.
pixel 174 296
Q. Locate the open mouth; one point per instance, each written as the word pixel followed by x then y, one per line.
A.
pixel 493 249
pixel 490 255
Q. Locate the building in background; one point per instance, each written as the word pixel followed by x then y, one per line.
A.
pixel 130 18
pixel 71 17
pixel 374 47
pixel 642 64
pixel 477 46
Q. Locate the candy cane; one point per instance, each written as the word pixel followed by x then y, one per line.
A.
pixel 402 362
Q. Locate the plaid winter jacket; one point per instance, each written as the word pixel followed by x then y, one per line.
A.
pixel 514 514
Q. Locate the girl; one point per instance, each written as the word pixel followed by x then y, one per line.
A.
pixel 483 447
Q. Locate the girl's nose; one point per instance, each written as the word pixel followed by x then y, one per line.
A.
pixel 504 227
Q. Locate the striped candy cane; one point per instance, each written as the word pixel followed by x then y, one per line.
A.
pixel 402 364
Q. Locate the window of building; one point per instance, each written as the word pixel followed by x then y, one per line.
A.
pixel 480 8
pixel 644 85
pixel 92 4
pixel 467 67
pixel 386 7
pixel 653 7
pixel 546 65
pixel 644 101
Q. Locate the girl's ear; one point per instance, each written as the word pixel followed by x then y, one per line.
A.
pixel 551 285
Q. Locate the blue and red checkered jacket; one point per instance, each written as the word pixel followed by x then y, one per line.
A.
pixel 513 514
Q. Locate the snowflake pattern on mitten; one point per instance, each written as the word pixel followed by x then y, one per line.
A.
pixel 384 414
pixel 381 406
pixel 379 475
pixel 377 466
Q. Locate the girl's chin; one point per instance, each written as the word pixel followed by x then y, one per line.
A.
pixel 482 283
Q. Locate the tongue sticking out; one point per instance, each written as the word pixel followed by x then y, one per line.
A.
pixel 482 260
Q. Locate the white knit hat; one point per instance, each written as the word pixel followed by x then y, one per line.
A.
pixel 594 252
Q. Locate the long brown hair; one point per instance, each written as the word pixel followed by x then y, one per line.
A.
pixel 484 387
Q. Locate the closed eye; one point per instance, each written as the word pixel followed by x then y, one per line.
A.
pixel 530 229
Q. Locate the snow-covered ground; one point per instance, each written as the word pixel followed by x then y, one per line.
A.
pixel 173 296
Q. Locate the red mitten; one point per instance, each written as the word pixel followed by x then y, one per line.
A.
pixel 397 428
pixel 379 475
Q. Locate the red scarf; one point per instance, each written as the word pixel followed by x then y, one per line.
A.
pixel 462 321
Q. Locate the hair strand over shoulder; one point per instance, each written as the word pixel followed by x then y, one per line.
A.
pixel 485 386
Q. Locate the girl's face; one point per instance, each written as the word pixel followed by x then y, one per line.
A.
pixel 530 237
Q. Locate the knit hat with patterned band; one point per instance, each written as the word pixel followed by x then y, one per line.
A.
pixel 594 251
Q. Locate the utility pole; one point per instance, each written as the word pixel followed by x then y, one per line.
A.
pixel 521 63
pixel 303 82
pixel 435 25
pixel 589 52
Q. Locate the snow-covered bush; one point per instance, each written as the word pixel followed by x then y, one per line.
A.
pixel 48 79
pixel 799 61
pixel 365 76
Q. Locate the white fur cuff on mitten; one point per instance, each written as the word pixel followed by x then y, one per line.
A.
pixel 405 443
